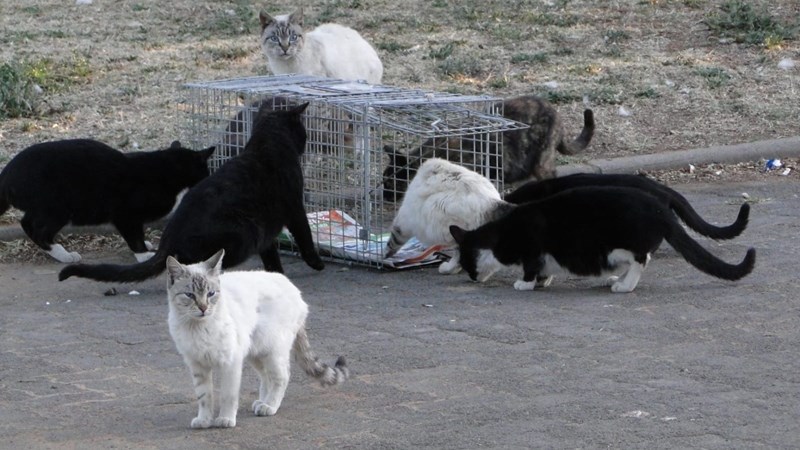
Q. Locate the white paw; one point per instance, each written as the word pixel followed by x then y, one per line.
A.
pixel 225 422
pixel 610 281
pixel 450 267
pixel 149 245
pixel 197 422
pixel 262 409
pixel 620 288
pixel 58 252
pixel 522 285
pixel 141 257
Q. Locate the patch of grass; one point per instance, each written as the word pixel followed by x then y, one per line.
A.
pixel 55 76
pixel 498 83
pixel 647 93
pixel 607 95
pixel 540 57
pixel 715 76
pixel 740 21
pixel 615 36
pixel 563 51
pixel 233 21
pixel 550 19
pixel 228 53
pixel 392 46
pixel 466 66
pixel 559 97
pixel 18 94
pixel 442 52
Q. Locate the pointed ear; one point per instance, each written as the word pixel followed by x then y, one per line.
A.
pixel 458 233
pixel 215 262
pixel 265 19
pixel 296 17
pixel 300 109
pixel 207 152
pixel 174 268
pixel 175 144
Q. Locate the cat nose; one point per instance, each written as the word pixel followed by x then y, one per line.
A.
pixel 202 308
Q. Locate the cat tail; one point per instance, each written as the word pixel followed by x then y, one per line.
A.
pixel 396 241
pixel 5 203
pixel 583 139
pixel 701 258
pixel 325 374
pixel 117 272
pixel 689 216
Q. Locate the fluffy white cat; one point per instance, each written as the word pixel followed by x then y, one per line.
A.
pixel 219 321
pixel 329 50
pixel 442 194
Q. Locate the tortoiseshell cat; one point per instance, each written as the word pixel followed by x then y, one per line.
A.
pixel 527 153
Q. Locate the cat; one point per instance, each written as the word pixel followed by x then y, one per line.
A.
pixel 443 193
pixel 242 207
pixel 588 231
pixel 527 153
pixel 86 182
pixel 218 322
pixel 329 50
pixel 537 190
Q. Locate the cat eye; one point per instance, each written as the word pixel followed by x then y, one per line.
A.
pixel 211 293
pixel 293 37
pixel 274 38
pixel 190 295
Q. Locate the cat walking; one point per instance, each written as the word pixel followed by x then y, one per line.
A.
pixel 329 50
pixel 86 182
pixel 219 321
pixel 241 207
pixel 589 231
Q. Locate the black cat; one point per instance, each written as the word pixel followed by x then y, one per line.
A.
pixel 242 207
pixel 587 231
pixel 86 182
pixel 537 190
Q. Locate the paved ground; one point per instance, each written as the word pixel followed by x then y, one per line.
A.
pixel 439 362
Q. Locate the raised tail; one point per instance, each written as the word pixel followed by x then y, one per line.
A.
pixel 325 374
pixel 117 272
pixel 684 210
pixel 583 139
pixel 701 258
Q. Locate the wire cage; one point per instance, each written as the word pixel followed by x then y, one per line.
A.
pixel 350 126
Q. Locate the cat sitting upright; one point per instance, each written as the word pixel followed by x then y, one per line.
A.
pixel 241 207
pixel 329 50
pixel 529 152
pixel 86 182
pixel 588 231
pixel 220 321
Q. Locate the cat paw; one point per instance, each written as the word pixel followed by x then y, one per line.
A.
pixel 610 281
pixel 262 409
pixel 225 422
pixel 522 285
pixel 149 245
pixel 316 264
pixel 142 257
pixel 621 288
pixel 197 422
pixel 62 255
pixel 449 267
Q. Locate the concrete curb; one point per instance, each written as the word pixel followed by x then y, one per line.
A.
pixel 775 148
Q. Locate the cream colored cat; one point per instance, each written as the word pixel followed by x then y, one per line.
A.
pixel 329 50
pixel 219 321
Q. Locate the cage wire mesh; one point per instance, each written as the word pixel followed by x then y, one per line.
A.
pixel 351 126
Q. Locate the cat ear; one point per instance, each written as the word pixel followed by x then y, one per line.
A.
pixel 215 262
pixel 396 158
pixel 175 144
pixel 300 109
pixel 207 152
pixel 265 19
pixel 296 18
pixel 458 233
pixel 174 268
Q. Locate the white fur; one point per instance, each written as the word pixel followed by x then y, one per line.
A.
pixel 329 50
pixel 443 194
pixel 144 256
pixel 58 252
pixel 256 319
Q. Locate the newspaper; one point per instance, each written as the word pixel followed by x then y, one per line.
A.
pixel 340 236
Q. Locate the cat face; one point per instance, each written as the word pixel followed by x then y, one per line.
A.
pixel 193 290
pixel 282 36
pixel 479 262
pixel 396 176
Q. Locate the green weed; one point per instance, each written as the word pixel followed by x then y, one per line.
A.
pixel 540 57
pixel 18 94
pixel 738 20
pixel 715 76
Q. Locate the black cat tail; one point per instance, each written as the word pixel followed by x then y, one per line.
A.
pixel 117 272
pixel 689 216
pixel 583 139
pixel 5 203
pixel 701 258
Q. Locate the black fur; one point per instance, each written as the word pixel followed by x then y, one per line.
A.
pixel 579 228
pixel 537 190
pixel 86 182
pixel 241 208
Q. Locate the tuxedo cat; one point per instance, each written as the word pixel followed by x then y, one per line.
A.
pixel 537 190
pixel 241 207
pixel 587 231
pixel 442 194
pixel 329 50
pixel 527 153
pixel 220 321
pixel 86 182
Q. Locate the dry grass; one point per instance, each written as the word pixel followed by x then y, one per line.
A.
pixel 112 70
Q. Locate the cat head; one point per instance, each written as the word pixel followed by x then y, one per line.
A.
pixel 397 175
pixel 188 167
pixel 475 254
pixel 193 290
pixel 282 36
pixel 288 123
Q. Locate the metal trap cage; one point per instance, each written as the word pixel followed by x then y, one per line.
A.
pixel 351 126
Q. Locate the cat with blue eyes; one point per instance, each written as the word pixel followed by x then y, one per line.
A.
pixel 329 50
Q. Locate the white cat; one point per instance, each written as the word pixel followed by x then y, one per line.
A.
pixel 443 194
pixel 329 50
pixel 220 321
